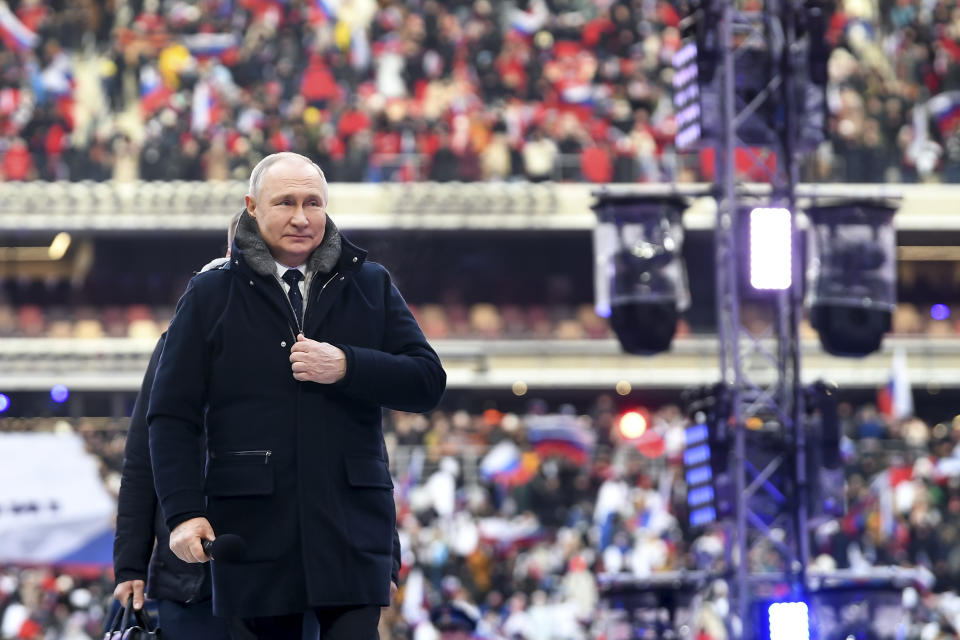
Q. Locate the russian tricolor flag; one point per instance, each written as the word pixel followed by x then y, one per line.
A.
pixel 211 45
pixel 945 109
pixel 562 436
pixel 153 93
pixel 895 399
pixel 14 33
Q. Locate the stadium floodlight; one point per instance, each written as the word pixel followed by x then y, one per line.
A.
pixel 851 289
pixel 771 251
pixel 789 621
pixel 640 276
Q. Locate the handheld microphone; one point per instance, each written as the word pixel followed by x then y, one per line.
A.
pixel 226 548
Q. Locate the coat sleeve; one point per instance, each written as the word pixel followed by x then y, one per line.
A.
pixel 137 500
pixel 405 373
pixel 175 416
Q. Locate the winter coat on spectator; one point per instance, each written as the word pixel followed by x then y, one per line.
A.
pixel 297 469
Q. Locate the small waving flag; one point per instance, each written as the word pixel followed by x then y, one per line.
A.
pixel 15 34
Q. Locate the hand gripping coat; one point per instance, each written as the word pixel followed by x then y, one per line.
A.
pixel 297 469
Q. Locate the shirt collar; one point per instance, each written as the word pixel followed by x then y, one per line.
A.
pixel 282 269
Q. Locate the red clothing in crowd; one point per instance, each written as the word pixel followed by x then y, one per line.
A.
pixel 17 163
pixel 595 164
pixel 352 121
pixel 318 83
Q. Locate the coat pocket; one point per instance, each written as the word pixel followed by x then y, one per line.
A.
pixel 371 514
pixel 241 501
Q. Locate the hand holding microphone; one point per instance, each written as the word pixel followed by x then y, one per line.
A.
pixel 193 540
pixel 226 548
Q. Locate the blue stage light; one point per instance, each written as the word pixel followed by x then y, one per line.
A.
pixel 59 393
pixel 699 475
pixel 696 434
pixel 789 621
pixel 702 516
pixel 696 455
pixel 4 402
pixel 700 496
pixel 939 312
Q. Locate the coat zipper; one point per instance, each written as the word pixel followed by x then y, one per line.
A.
pixel 265 453
pixel 286 297
pixel 293 312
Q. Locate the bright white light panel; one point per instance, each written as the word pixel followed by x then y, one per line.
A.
pixel 789 621
pixel 770 249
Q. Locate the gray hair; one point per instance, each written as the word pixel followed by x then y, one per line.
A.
pixel 256 176
pixel 232 227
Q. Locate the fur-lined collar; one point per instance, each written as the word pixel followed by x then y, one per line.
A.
pixel 256 253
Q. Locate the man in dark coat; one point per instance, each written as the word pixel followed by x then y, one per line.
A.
pixel 285 374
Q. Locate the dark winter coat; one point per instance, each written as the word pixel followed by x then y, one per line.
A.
pixel 140 521
pixel 297 469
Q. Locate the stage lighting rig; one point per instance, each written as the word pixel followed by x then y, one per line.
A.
pixel 640 276
pixel 851 291
pixel 697 84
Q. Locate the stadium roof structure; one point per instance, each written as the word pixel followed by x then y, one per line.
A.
pixel 190 206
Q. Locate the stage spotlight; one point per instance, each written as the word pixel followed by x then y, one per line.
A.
pixel 4 402
pixel 770 249
pixel 939 312
pixel 640 277
pixel 59 393
pixel 633 424
pixel 789 621
pixel 851 290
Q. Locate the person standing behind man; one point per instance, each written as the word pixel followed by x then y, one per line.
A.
pixel 182 589
pixel 283 360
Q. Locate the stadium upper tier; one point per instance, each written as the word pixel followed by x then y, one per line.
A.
pixel 181 206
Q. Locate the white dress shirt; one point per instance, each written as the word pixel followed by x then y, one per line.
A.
pixel 282 269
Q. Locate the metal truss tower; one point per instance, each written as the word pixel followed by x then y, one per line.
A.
pixel 761 372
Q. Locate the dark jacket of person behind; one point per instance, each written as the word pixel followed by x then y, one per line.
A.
pixel 140 521
pixel 297 469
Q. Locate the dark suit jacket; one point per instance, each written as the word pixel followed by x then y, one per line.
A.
pixel 297 469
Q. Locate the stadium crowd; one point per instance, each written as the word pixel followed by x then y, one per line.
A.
pixel 427 90
pixel 518 546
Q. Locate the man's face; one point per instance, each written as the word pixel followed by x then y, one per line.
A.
pixel 291 210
